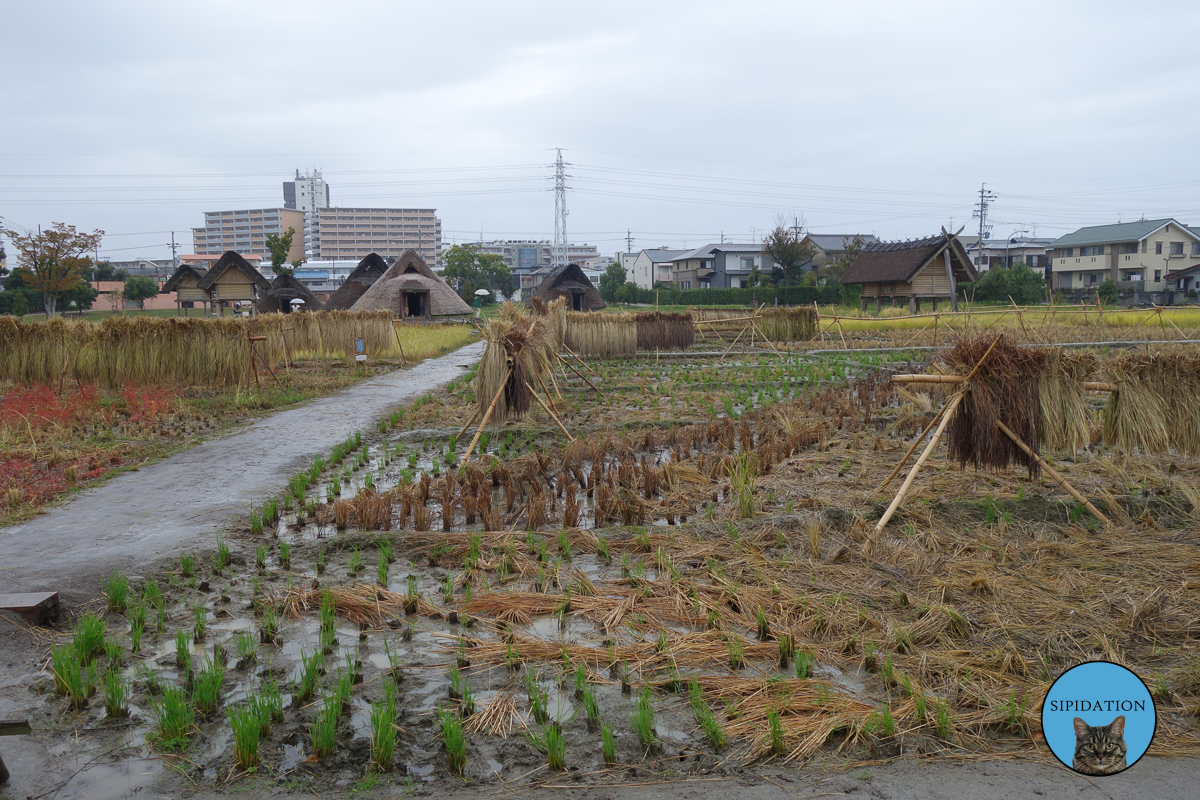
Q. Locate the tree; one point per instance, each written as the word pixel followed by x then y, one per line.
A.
pixel 279 244
pixel 55 260
pixel 468 269
pixel 140 289
pixel 785 246
pixel 1107 290
pixel 81 297
pixel 104 271
pixel 1018 282
pixel 834 270
pixel 626 293
pixel 612 280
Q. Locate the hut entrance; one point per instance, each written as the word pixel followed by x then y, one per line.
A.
pixel 577 301
pixel 415 303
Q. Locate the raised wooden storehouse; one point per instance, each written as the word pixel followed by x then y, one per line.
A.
pixel 411 289
pixel 185 283
pixel 364 276
pixel 233 280
pixel 569 281
pixel 286 289
pixel 915 270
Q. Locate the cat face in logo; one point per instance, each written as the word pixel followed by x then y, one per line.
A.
pixel 1099 749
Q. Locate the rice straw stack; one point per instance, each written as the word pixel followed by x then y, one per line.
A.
pixel 597 333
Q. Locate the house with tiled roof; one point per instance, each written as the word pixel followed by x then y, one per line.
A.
pixel 1140 256
pixel 912 271
pixel 719 266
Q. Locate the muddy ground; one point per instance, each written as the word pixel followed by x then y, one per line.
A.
pixel 113 761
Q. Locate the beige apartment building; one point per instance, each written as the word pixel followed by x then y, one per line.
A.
pixel 246 231
pixel 350 234
pixel 1137 255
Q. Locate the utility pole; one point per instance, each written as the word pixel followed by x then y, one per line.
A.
pixel 560 211
pixel 174 258
pixel 981 209
pixel 629 240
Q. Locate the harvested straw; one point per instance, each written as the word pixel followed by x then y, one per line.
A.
pixel 1005 388
pixel 788 324
pixel 515 357
pixel 661 330
pixel 599 334
pixel 1141 414
pixel 1065 424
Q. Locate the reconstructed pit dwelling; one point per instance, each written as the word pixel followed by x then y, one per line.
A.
pixel 664 564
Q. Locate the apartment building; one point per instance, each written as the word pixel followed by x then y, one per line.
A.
pixel 246 231
pixel 526 256
pixel 307 193
pixel 341 234
pixel 1028 250
pixel 1137 255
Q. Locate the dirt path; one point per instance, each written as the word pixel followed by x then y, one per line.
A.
pixel 143 515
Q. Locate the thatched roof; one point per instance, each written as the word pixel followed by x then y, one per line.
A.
pixel 184 271
pixel 369 270
pixel 233 260
pixel 898 262
pixel 284 289
pixel 566 279
pixel 411 274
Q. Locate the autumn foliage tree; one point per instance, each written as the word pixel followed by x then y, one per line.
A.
pixel 55 260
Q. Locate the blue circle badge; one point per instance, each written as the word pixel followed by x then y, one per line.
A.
pixel 1098 718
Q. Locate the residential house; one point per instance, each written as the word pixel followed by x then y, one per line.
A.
pixel 648 267
pixel 1137 255
pixel 829 247
pixel 1027 250
pixel 719 266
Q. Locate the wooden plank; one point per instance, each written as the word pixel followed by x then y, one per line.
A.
pixel 15 727
pixel 36 607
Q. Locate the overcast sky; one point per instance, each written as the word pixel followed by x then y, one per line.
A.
pixel 680 121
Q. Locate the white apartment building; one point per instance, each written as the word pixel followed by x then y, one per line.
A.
pixel 344 234
pixel 306 193
pixel 246 231
pixel 1137 255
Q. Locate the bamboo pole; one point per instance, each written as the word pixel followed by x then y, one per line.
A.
pixel 553 416
pixel 731 344
pixel 581 361
pixel 469 423
pixel 1053 473
pixel 912 448
pixel 908 482
pixel 404 358
pixel 486 417
pixel 1091 386
pixel 765 339
pixel 580 374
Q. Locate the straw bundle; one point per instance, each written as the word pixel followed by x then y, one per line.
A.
pixel 661 330
pixel 790 324
pixel 515 358
pixel 1006 388
pixel 596 333
pixel 1061 398
pixel 1156 407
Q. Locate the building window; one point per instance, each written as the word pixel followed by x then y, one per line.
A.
pixel 1196 248
pixel 1069 252
pixel 1092 278
pixel 1129 248
pixel 1176 248
pixel 1158 248
pixel 1157 275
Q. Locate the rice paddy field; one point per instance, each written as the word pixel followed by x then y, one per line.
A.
pixel 81 401
pixel 686 580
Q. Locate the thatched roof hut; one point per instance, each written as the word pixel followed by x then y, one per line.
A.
pixel 922 268
pixel 284 289
pixel 411 289
pixel 185 283
pixel 364 276
pixel 232 279
pixel 569 281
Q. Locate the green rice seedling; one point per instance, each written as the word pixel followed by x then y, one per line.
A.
pixel 775 740
pixel 887 671
pixel 247 648
pixel 382 570
pixel 324 727
pixel 268 630
pixel 247 727
pixel 764 627
pixel 385 550
pixel 136 612
pixel 320 560
pixel 206 689
pixel 201 627
pixel 705 717
pixel 512 657
pixel 581 681
pixel 256 523
pixel 453 741
pixel 187 565
pixel 539 699
pixel 135 636
pixel 310 671
pixel 564 544
pixel 412 598
pixel 456 684
pixel 1014 712
pixel 383 731
pixel 112 650
pixel 447 589
pixel 882 723
pixel 556 746
pixel 804 664
pixel 328 610
pixel 737 650
pixel 65 664
pixel 393 658
pixel 602 549
pixel 222 560
pixel 160 623
pixel 260 558
pixel 116 591
pixel 608 744
pixel 591 708
pixel 643 721
pixel 183 651
pixel 285 555
pixel 88 637
pixel 785 649
pixel 271 699
pixel 174 720
pixel 270 512
pixel 942 723
pixel 468 701
pixel 152 594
